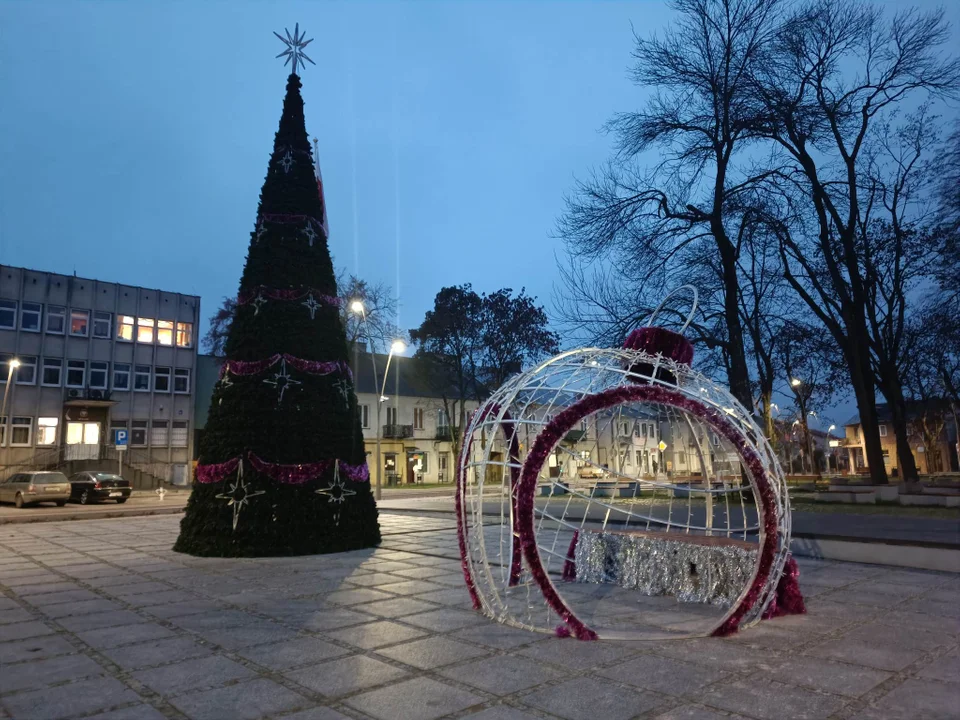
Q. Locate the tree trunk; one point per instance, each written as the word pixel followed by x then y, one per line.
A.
pixel 893 392
pixel 861 377
pixel 768 430
pixel 738 375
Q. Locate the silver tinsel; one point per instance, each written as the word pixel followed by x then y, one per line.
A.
pixel 657 566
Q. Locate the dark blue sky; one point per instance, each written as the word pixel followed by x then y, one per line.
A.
pixel 134 136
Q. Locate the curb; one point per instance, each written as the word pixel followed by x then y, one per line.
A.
pixel 92 515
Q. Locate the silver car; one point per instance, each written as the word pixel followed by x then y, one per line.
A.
pixel 30 488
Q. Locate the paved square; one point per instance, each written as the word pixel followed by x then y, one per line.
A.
pixel 100 620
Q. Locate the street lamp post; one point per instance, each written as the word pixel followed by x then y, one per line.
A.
pixel 396 347
pixel 12 364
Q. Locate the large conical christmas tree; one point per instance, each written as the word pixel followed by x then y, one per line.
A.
pixel 282 467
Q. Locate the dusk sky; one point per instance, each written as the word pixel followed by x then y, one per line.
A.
pixel 134 137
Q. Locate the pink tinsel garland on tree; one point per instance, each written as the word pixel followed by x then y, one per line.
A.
pixel 245 298
pixel 296 474
pixel 255 367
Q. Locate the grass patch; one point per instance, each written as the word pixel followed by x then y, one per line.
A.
pixel 895 509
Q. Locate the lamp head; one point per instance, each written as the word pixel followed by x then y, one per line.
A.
pixel 795 382
pixel 14 363
pixel 398 347
pixel 357 307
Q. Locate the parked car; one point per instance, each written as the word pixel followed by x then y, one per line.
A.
pixel 31 488
pixel 90 487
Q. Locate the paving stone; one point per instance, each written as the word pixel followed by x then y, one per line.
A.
pixel 588 698
pixel 331 619
pixel 217 619
pixel 133 712
pixel 431 652
pixel 832 677
pixel 245 701
pixel 946 668
pixel 416 699
pixel 29 675
pixel 37 583
pixel 19 631
pixel 350 598
pixel 346 675
pixel 158 652
pixel 915 699
pixel 99 605
pixel 94 621
pixel 35 648
pixel 444 619
pixel 123 635
pixel 501 712
pixel 671 677
pixel 694 712
pixel 376 634
pixel 495 635
pixel 502 674
pixel 167 597
pixel 15 615
pixel 189 675
pixel 235 638
pixel 397 607
pixel 71 596
pixel 574 654
pixel 723 654
pixel 317 713
pixel 770 700
pixel 292 653
pixel 69 700
pixel 182 609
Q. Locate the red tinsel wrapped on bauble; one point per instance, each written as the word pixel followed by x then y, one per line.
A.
pixel 658 341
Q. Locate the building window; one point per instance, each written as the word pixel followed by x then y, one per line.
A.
pixel 883 431
pixel 52 372
pixel 159 433
pixel 125 328
pixel 56 319
pixel 138 432
pixel 141 378
pixel 639 459
pixel 5 359
pixel 443 420
pixel 20 433
pixel 364 416
pixel 161 379
pixel 179 434
pixel 8 314
pixel 391 416
pixel 30 314
pixel 165 332
pixel 27 372
pixel 79 322
pixel 98 375
pixel 102 321
pixel 47 430
pixel 442 462
pixel 185 335
pixel 121 376
pixel 418 418
pixel 76 373
pixel 584 427
pixel 181 381
pixel 145 330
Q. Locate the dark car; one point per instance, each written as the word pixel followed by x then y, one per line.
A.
pixel 90 487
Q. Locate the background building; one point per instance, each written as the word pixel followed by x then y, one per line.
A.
pixel 96 357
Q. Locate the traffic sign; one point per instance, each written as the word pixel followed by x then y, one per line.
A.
pixel 120 438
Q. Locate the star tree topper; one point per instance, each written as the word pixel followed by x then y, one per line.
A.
pixel 295 46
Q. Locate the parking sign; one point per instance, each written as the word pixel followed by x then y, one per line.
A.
pixel 120 438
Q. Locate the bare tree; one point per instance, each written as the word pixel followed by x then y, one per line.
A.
pixel 375 326
pixel 648 220
pixel 834 75
pixel 215 341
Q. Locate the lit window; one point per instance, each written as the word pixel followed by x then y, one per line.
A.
pixel 165 332
pixel 181 381
pixel 159 433
pixel 145 330
pixel 138 432
pixel 76 373
pixel 365 416
pixel 179 435
pixel 21 431
pixel 101 324
pixel 125 328
pixel 56 319
pixel 161 379
pixel 121 376
pixel 79 322
pixel 30 316
pixel 27 372
pixel 98 375
pixel 8 314
pixel 141 378
pixel 883 431
pixel 47 430
pixel 52 372
pixel 185 335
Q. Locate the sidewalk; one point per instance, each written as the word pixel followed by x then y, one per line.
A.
pixel 100 620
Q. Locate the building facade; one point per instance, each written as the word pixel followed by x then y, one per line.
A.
pixel 93 357
pixel 932 434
